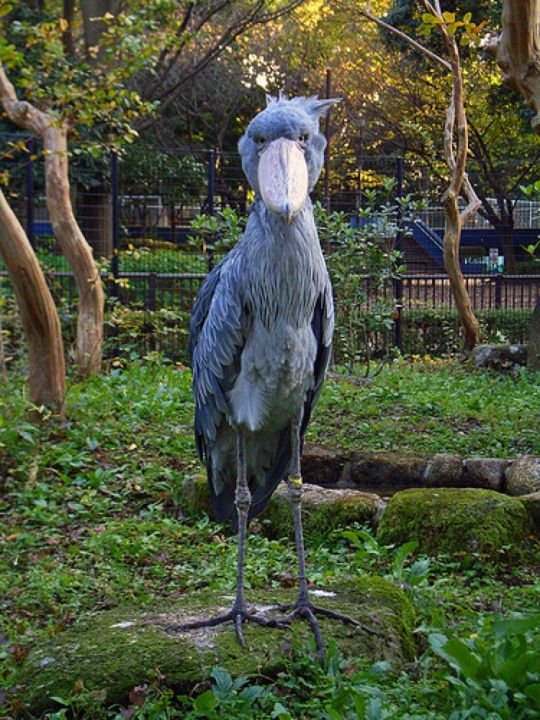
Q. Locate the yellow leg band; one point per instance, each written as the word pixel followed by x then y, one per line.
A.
pixel 296 480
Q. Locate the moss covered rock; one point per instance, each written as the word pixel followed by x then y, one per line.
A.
pixel 532 503
pixel 321 466
pixel 116 650
pixel 383 471
pixel 323 510
pixel 195 498
pixel 454 520
pixel 444 470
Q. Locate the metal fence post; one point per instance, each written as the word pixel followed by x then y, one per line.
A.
pixel 29 183
pixel 210 198
pixel 152 287
pixel 398 283
pixel 498 291
pixel 115 198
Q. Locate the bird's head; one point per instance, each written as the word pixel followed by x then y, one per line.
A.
pixel 283 150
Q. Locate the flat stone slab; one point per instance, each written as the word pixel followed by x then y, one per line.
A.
pixel 456 520
pixel 323 509
pixel 119 649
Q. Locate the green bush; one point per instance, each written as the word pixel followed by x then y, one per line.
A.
pixel 436 331
pixel 132 332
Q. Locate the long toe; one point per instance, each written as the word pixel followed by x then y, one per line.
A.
pixel 238 620
pixel 310 615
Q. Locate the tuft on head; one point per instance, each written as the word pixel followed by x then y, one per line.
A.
pixel 312 105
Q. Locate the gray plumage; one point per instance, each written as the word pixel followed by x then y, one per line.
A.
pixel 261 329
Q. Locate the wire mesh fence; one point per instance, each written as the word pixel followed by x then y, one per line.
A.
pixel 137 212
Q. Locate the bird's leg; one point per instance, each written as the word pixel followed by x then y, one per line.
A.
pixel 242 501
pixel 303 606
pixel 239 612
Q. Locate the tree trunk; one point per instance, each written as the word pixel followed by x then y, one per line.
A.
pixel 94 27
pixel 507 241
pixel 517 51
pixel 452 238
pixel 3 363
pixel 67 232
pixel 77 251
pixel 456 143
pixel 38 313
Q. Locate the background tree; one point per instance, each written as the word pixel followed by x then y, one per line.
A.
pixel 92 71
pixel 38 313
pixel 517 51
pixel 53 132
pixel 455 151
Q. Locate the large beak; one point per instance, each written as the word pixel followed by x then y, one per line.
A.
pixel 283 178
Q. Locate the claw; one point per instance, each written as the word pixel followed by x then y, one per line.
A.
pixel 305 608
pixel 239 633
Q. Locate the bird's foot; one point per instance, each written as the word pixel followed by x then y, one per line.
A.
pixel 237 615
pixel 306 609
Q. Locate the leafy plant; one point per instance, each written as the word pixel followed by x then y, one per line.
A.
pixel 497 669
pixel 219 232
pixel 363 261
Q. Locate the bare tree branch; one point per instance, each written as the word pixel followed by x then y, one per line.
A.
pixel 399 33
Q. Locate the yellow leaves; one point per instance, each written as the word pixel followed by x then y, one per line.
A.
pixel 63 24
pixel 470 31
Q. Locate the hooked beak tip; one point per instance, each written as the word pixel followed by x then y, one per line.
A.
pixel 287 213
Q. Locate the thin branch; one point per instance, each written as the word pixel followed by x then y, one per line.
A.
pixel 399 33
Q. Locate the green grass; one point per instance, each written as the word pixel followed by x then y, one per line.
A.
pixel 427 407
pixel 90 518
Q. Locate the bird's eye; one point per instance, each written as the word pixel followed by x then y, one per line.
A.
pixel 260 140
pixel 303 138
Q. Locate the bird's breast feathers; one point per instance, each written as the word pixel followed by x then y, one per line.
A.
pixel 276 372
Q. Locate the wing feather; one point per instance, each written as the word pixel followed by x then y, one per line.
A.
pixel 322 326
pixel 323 330
pixel 216 340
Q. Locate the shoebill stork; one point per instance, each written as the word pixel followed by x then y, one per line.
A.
pixel 260 340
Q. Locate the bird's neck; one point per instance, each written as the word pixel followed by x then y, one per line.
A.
pixel 284 265
pixel 286 240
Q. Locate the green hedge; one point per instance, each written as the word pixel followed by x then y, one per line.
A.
pixel 437 331
pixel 132 331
